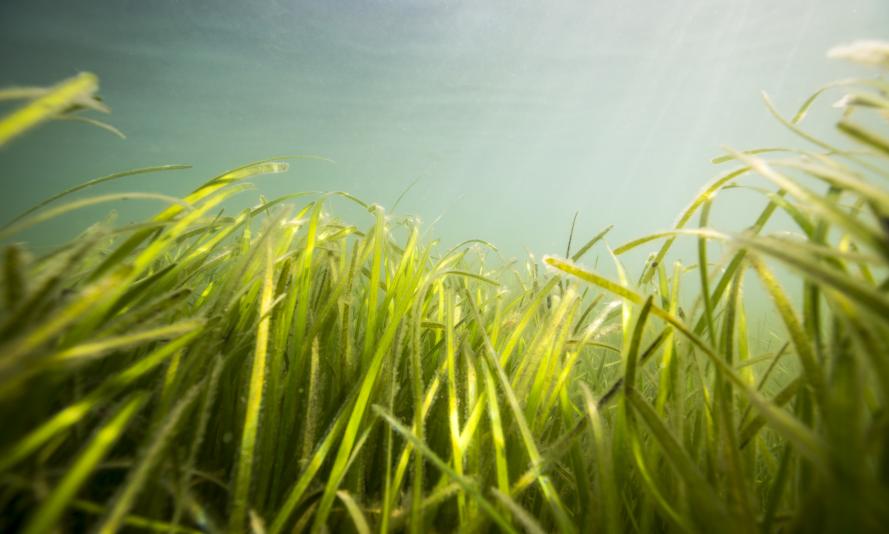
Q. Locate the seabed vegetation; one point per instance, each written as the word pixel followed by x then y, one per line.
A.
pixel 281 370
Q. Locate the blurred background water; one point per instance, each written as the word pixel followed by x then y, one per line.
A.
pixel 508 115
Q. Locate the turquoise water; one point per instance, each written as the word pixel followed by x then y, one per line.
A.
pixel 509 116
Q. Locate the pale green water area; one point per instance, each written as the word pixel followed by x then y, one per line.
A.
pixel 510 116
pixel 205 349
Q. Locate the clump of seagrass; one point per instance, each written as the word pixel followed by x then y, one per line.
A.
pixel 278 369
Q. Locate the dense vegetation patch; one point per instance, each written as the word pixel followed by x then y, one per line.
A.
pixel 279 369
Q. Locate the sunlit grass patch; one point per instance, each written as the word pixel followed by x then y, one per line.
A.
pixel 279 369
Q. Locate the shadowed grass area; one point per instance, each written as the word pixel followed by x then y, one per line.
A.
pixel 279 369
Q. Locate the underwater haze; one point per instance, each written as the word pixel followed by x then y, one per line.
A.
pixel 508 116
pixel 234 351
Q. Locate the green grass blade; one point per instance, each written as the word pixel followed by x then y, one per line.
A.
pixel 467 485
pixel 45 518
pixel 244 472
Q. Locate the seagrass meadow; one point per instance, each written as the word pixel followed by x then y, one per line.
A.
pixel 279 369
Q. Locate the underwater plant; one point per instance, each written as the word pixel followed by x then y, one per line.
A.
pixel 66 101
pixel 279 369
